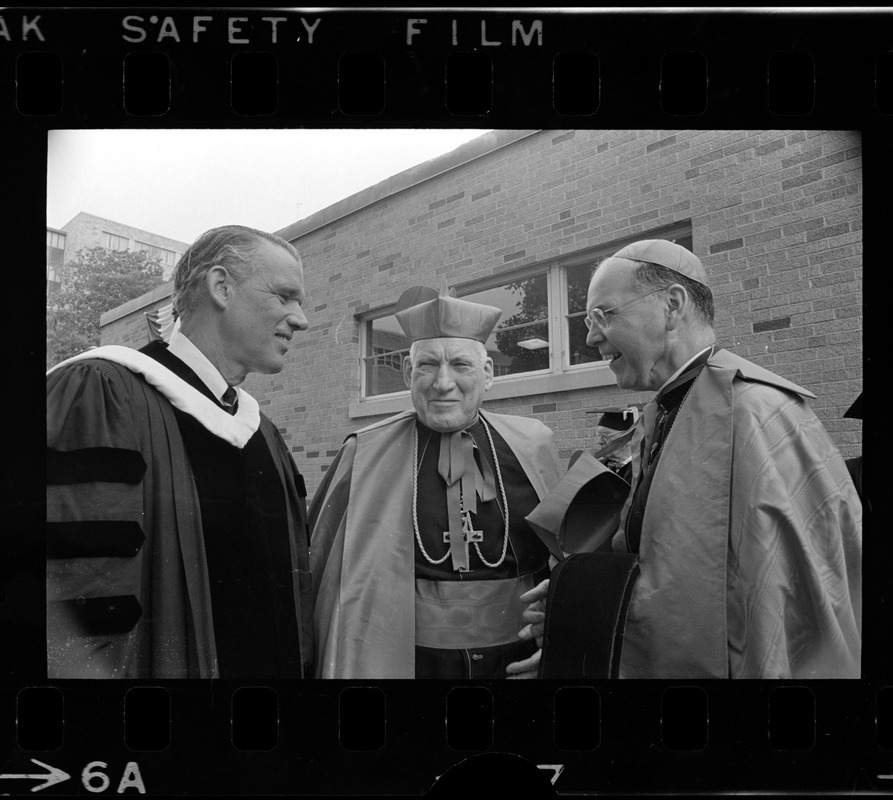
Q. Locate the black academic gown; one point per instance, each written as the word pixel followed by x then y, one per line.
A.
pixel 212 585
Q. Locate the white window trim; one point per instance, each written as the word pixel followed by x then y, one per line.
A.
pixel 503 388
pixel 558 378
pixel 561 377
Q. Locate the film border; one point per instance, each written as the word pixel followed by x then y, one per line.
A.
pixel 848 49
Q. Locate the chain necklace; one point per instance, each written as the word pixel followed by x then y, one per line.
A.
pixel 652 457
pixel 465 514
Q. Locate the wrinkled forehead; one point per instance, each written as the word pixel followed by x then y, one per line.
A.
pixel 288 258
pixel 447 348
pixel 273 260
pixel 610 283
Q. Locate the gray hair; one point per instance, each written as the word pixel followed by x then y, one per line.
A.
pixel 648 275
pixel 230 246
pixel 480 350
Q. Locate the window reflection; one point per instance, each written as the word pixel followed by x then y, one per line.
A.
pixel 520 341
pixel 577 288
pixel 386 345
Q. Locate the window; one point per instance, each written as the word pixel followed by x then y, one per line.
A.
pixel 577 279
pixel 520 341
pixel 539 343
pixel 111 241
pixel 55 259
pixel 518 344
pixel 386 345
pixel 166 257
pixel 55 240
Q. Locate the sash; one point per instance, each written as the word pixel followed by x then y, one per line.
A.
pixel 467 614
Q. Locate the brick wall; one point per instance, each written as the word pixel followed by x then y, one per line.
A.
pixel 775 215
pixel 126 324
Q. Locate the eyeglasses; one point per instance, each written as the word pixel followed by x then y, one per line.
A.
pixel 598 317
pixel 603 436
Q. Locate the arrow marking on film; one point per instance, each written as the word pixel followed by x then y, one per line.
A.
pixel 49 778
pixel 557 769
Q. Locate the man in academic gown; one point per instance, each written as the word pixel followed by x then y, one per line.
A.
pixel 613 435
pixel 419 547
pixel 744 517
pixel 177 541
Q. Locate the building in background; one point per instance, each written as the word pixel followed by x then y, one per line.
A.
pixel 518 219
pixel 88 230
pixel 55 259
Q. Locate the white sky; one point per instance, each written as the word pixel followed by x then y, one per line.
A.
pixel 179 183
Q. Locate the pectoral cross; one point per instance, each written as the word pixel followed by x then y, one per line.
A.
pixel 459 541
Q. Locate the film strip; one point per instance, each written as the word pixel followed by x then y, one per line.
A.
pixel 499 69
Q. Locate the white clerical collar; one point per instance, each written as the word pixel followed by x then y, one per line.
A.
pixel 684 367
pixel 180 345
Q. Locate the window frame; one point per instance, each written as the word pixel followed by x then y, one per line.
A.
pixel 170 256
pixel 561 376
pixel 56 241
pixel 362 320
pixel 117 236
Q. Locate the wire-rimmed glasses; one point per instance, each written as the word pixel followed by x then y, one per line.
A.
pixel 598 316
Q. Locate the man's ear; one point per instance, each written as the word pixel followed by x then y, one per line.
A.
pixel 488 373
pixel 677 305
pixel 407 371
pixel 220 285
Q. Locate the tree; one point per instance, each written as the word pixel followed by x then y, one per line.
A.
pixel 534 302
pixel 96 281
pixel 533 314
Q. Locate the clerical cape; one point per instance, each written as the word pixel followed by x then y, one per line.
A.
pixel 751 548
pixel 362 554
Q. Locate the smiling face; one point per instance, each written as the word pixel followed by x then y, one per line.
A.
pixel 264 313
pixel 447 379
pixel 634 342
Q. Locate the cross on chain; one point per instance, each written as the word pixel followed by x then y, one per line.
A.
pixel 466 535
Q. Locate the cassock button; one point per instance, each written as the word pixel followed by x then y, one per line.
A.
pixel 477 656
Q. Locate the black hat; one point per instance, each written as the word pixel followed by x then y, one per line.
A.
pixel 617 418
